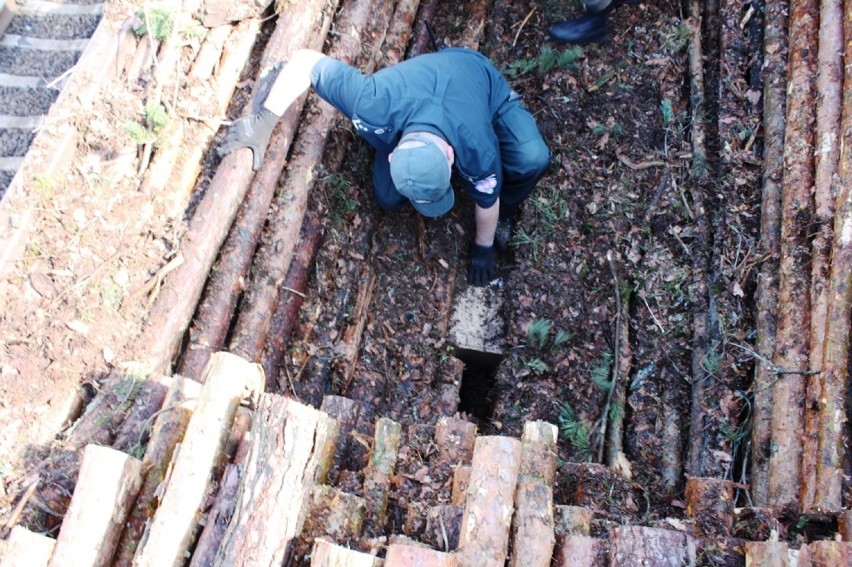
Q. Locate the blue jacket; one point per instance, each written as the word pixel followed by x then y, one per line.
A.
pixel 455 93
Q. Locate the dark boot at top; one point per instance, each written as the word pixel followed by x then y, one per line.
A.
pixel 590 28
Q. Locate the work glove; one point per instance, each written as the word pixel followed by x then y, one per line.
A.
pixel 481 268
pixel 251 132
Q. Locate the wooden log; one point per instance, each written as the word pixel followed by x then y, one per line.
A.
pixel 175 305
pixel 133 435
pixel 217 519
pixel 380 469
pixel 168 430
pixel 580 551
pixel 290 299
pixel 350 343
pixel 346 412
pixel 333 514
pixel 208 55
pixel 636 546
pixel 828 113
pixel 533 524
pixel 774 96
pixel 791 351
pixel 173 526
pixel 489 503
pixel 456 439
pixel 845 525
pixel 328 554
pixel 461 478
pixel 422 40
pixel 835 363
pixel 276 252
pixel 291 451
pixel 217 307
pixel 573 520
pixel 108 483
pixel 218 12
pixel 27 549
pixel 399 31
pixel 768 554
pixel 408 555
pixel 822 553
pixel 710 504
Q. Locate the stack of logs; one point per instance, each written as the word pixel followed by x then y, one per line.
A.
pixel 234 477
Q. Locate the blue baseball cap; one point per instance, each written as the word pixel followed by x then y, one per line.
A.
pixel 421 173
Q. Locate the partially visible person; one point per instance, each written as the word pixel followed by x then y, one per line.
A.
pixel 427 117
pixel 592 27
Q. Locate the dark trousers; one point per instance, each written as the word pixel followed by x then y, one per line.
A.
pixel 524 160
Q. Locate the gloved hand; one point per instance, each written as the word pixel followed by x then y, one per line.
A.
pixel 251 132
pixel 481 268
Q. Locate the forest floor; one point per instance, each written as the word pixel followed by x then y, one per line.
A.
pixel 608 272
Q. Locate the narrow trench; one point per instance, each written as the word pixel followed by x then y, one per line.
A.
pixel 478 380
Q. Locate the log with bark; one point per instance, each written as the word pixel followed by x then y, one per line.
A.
pixel 109 481
pixel 216 309
pixel 635 546
pixel 774 114
pixel 175 304
pixel 291 451
pixel 172 530
pixel 821 553
pixel 399 31
pixel 791 346
pixel 133 435
pixel 217 519
pixel 835 362
pixel 346 412
pixel 380 469
pixel 828 113
pixel 489 503
pixel 710 505
pixel 168 430
pixel 573 520
pixel 423 41
pixel 461 478
pixel 273 259
pixel 533 523
pixel 332 514
pixel 580 551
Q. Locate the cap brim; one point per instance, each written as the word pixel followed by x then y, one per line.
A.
pixel 436 208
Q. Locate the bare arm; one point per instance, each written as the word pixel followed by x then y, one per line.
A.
pixel 293 80
pixel 486 223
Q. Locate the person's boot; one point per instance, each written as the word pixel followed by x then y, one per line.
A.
pixel 589 28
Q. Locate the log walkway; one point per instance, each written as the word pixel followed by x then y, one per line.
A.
pixel 234 473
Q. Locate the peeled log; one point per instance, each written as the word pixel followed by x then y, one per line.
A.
pixel 408 556
pixel 532 524
pixel 328 554
pixel 835 365
pixel 573 520
pixel 768 554
pixel 638 546
pixel 291 451
pixel 106 487
pixel 829 106
pixel 794 313
pixel 455 439
pixel 26 549
pixel 489 504
pixel 710 504
pixel 173 526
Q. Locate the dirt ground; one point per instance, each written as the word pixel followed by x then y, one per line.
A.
pixel 612 247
